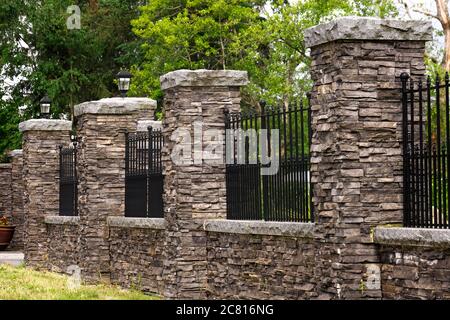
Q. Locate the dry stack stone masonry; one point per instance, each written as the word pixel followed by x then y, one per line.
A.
pixel 5 189
pixel 41 138
pixel 101 127
pixel 193 190
pixel 17 190
pixel 356 145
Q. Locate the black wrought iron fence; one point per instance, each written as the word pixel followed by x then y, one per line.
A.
pixel 68 181
pixel 258 188
pixel 143 174
pixel 426 160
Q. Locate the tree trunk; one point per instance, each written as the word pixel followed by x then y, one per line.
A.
pixel 444 19
pixel 446 58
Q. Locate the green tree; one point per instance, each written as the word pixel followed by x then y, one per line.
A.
pixel 263 37
pixel 72 66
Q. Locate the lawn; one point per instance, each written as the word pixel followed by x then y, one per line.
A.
pixel 20 283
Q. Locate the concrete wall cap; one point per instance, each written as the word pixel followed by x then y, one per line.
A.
pixel 62 220
pixel 368 28
pixel 143 125
pixel 15 153
pixel 140 223
pixel 45 125
pixel 204 78
pixel 412 236
pixel 114 106
pixel 293 229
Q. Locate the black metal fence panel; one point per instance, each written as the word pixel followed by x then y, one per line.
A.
pixel 68 181
pixel 143 174
pixel 426 160
pixel 279 195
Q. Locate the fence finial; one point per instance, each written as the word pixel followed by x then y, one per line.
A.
pixel 404 76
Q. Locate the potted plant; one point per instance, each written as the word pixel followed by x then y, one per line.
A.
pixel 6 232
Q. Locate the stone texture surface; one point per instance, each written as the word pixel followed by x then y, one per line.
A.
pixel 141 223
pixel 245 266
pixel 62 220
pixel 45 125
pixel 137 258
pixel 415 272
pixel 5 189
pixel 193 191
pixel 368 28
pixel 412 236
pixel 101 177
pixel 41 188
pixel 116 106
pixel 204 78
pixel 260 227
pixel 356 162
pixel 17 198
pixel 63 246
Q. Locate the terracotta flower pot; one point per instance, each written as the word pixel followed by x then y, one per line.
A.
pixel 6 235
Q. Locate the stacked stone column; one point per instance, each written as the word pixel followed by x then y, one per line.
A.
pixel 41 141
pixel 101 127
pixel 356 146
pixel 5 189
pixel 17 190
pixel 194 190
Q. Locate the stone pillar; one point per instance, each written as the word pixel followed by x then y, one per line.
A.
pixel 5 189
pixel 101 127
pixel 17 188
pixel 356 146
pixel 194 190
pixel 41 141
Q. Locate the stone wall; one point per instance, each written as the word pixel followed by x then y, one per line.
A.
pixel 63 249
pixel 101 128
pixel 193 190
pixel 136 253
pixel 356 162
pixel 415 263
pixel 5 189
pixel 17 189
pixel 194 252
pixel 254 261
pixel 41 139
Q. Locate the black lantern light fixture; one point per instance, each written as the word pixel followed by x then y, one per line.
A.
pixel 74 140
pixel 124 80
pixel 45 103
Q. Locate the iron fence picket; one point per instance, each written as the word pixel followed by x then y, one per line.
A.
pixel 426 162
pixel 284 196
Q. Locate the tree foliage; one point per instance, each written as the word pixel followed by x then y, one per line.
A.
pixel 40 55
pixel 263 37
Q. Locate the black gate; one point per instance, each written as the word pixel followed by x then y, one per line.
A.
pixel 426 160
pixel 284 195
pixel 68 181
pixel 143 174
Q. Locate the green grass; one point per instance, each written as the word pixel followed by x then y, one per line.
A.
pixel 20 283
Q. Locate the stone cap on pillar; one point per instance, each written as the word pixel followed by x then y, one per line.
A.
pixel 143 125
pixel 368 28
pixel 45 125
pixel 204 78
pixel 15 153
pixel 115 106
